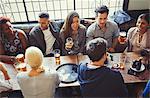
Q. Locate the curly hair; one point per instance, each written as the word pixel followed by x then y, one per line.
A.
pixel 3 20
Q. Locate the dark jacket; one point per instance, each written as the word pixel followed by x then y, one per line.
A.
pixel 101 82
pixel 36 37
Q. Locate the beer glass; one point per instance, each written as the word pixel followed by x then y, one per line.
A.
pixel 57 56
pixel 19 64
pixel 122 36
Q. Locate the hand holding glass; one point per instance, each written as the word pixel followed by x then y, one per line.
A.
pixel 122 37
pixel 69 43
pixel 20 66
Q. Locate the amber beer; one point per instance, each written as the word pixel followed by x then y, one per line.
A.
pixel 122 37
pixel 20 58
pixel 57 56
pixel 20 66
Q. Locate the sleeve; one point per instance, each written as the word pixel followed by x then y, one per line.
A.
pixel 32 40
pixel 23 38
pixel 129 37
pixel 90 33
pixel 64 51
pixel 83 41
pixel 116 31
pixel 123 92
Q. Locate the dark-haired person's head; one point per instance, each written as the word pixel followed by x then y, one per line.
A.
pixel 101 15
pixel 3 20
pixel 96 49
pixel 143 22
pixel 43 15
pixel 5 25
pixel 101 9
pixel 44 20
pixel 145 16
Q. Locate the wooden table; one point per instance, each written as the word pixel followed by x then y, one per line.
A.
pixel 50 64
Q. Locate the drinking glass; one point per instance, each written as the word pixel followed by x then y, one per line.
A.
pixel 69 43
pixel 57 56
pixel 122 36
pixel 19 64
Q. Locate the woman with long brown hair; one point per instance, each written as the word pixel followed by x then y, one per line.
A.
pixel 73 30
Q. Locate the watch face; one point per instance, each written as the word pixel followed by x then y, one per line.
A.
pixel 67 72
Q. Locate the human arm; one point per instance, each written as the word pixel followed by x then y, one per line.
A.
pixel 63 40
pixel 130 35
pixel 114 37
pixel 23 38
pixel 5 58
pixel 89 34
pixel 82 39
pixel 4 71
pixel 146 91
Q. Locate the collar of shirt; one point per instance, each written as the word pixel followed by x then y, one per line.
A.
pixel 106 25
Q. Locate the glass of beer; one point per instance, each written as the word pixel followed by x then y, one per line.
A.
pixel 20 65
pixel 20 58
pixel 57 56
pixel 122 36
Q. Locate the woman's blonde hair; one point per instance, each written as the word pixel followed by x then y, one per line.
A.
pixel 34 57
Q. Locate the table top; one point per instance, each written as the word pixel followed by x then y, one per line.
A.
pixel 50 64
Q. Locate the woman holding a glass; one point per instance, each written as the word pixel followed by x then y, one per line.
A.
pixel 73 35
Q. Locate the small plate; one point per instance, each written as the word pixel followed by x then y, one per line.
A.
pixel 142 68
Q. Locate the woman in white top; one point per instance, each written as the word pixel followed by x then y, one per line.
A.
pixel 139 36
pixel 37 83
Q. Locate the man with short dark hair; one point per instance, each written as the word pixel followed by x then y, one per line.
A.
pixel 103 28
pixel 46 35
pixel 96 80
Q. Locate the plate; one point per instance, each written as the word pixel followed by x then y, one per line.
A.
pixel 67 73
pixel 142 68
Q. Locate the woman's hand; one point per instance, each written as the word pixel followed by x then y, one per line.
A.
pixel 68 46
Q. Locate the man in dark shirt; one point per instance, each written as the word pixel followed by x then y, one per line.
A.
pixel 45 35
pixel 96 80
